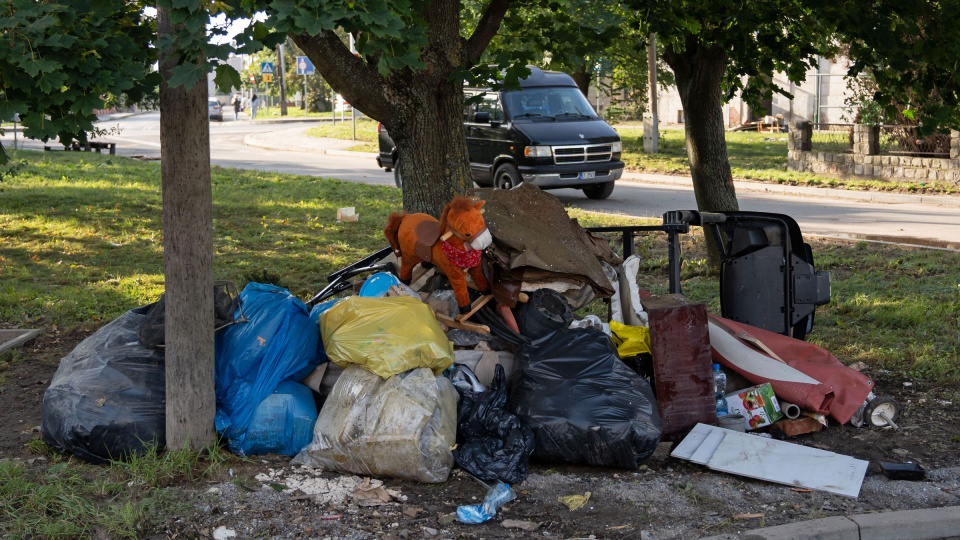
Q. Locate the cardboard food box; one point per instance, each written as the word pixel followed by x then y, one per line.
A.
pixel 757 404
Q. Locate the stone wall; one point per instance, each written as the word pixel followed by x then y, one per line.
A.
pixel 865 159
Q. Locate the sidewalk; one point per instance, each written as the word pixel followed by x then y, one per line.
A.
pixel 928 523
pixel 296 141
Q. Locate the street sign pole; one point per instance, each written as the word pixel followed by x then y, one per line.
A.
pixel 306 102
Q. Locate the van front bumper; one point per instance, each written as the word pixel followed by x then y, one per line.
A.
pixel 572 176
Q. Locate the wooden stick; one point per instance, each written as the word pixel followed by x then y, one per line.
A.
pixel 479 303
pixel 446 236
pixel 473 327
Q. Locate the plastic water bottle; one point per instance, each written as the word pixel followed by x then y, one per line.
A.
pixel 720 389
pixel 497 496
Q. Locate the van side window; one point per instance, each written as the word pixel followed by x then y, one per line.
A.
pixel 491 104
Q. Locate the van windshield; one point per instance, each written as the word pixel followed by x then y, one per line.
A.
pixel 558 103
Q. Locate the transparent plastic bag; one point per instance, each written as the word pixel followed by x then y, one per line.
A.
pixel 402 427
pixel 385 335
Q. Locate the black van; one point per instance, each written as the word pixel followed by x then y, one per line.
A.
pixel 546 134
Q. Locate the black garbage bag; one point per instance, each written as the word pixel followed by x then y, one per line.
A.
pixel 584 405
pixel 546 311
pixel 107 399
pixel 492 443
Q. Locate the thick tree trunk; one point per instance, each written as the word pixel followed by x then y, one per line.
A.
pixel 427 127
pixel 187 257
pixel 422 108
pixel 582 77
pixel 699 71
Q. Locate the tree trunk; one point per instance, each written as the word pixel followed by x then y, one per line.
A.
pixel 421 108
pixel 427 127
pixel 187 257
pixel 582 77
pixel 699 72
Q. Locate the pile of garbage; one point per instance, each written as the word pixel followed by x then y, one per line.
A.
pixel 400 378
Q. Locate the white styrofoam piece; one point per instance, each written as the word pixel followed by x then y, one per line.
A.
pixel 752 361
pixel 709 446
pixel 787 463
pixel 691 442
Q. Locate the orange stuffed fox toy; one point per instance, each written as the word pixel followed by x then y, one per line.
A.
pixel 453 244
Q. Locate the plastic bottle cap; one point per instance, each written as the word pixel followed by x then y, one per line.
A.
pixel 716 367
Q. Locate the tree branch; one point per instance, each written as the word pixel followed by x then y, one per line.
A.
pixel 486 29
pixel 349 75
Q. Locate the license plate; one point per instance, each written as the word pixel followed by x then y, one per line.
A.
pixel 587 175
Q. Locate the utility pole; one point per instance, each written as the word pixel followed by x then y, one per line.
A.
pixel 651 122
pixel 283 87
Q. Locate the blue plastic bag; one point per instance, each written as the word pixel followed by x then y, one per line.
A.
pixel 281 341
pixel 282 423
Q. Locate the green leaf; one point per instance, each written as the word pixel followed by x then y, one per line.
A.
pixel 226 78
pixel 186 75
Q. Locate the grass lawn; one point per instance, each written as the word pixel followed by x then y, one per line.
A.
pixel 754 156
pixel 366 133
pixel 81 242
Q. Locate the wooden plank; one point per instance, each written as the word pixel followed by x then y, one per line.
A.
pixel 15 338
pixel 462 325
pixel 787 463
pixel 477 304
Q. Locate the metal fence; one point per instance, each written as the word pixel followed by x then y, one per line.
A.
pixel 903 140
pixel 834 138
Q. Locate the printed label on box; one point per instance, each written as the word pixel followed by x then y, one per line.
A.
pixel 757 404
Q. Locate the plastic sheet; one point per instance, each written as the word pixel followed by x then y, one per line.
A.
pixel 385 335
pixel 279 342
pixel 583 404
pixel 402 427
pixel 492 444
pixel 107 399
pixel 283 422
pixel 630 340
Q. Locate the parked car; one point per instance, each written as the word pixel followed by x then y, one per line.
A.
pixel 215 110
pixel 546 134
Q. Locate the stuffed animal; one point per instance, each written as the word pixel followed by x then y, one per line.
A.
pixel 454 243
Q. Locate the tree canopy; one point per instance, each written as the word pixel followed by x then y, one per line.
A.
pixel 60 60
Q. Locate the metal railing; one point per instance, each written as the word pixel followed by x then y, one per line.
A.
pixel 903 140
pixel 834 138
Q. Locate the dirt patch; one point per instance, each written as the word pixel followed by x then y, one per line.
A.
pixel 664 499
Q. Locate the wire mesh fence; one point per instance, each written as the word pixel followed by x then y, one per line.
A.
pixel 834 138
pixel 904 140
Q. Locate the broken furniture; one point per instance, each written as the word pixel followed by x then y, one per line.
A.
pixel 767 276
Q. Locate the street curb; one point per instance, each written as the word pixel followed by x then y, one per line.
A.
pixel 922 524
pixel 267 140
pixel 804 191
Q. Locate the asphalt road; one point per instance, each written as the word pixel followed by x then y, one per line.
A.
pixel 916 224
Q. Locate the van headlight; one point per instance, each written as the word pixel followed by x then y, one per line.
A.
pixel 538 151
pixel 616 147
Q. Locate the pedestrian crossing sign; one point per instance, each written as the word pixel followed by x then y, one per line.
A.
pixel 266 67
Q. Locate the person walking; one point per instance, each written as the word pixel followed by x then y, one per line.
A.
pixel 254 104
pixel 236 106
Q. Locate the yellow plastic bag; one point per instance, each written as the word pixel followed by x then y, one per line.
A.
pixel 385 335
pixel 630 340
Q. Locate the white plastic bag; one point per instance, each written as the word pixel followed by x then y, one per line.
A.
pixel 402 427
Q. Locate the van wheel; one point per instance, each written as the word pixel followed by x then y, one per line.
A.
pixel 506 177
pixel 397 179
pixel 599 191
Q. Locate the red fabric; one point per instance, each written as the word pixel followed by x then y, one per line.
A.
pixel 461 257
pixel 841 390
